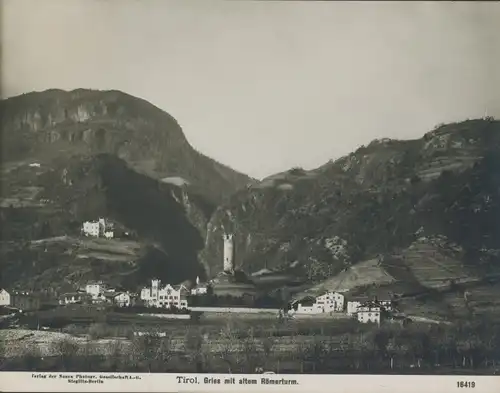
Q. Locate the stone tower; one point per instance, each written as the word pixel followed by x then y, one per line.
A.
pixel 155 287
pixel 228 253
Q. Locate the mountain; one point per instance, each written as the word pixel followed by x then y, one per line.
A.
pixel 426 209
pixel 46 125
pixel 68 157
pixel 397 216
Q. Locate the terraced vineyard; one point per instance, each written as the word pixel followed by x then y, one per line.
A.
pixel 432 265
pixel 484 299
pixel 360 275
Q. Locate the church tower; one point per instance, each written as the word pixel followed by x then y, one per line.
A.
pixel 228 253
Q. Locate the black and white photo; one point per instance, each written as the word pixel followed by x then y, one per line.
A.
pixel 259 190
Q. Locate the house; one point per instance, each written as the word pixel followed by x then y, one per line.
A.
pixel 355 301
pixel 122 299
pixel 303 306
pixel 95 288
pixel 199 289
pixel 352 306
pixel 387 305
pixel 4 298
pixel 25 300
pixel 167 296
pixel 99 228
pixel 331 301
pixel 369 312
pixel 74 298
pixel 91 228
pixel 308 305
pixel 173 296
pixel 326 303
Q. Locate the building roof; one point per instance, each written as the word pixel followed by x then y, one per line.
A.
pixel 72 294
pixel 328 292
pixel 371 304
pixel 110 294
pixel 358 298
pixel 94 282
pixel 179 287
pixel 121 293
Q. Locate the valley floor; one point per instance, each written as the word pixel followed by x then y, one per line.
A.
pixel 230 344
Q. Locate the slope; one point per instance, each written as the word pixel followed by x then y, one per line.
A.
pixel 45 125
pixel 376 201
pixel 167 224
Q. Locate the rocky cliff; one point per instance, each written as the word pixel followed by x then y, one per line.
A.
pixel 55 123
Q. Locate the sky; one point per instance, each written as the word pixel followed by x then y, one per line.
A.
pixel 265 86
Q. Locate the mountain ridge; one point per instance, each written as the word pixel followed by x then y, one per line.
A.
pixel 364 186
pixel 44 125
pixel 386 214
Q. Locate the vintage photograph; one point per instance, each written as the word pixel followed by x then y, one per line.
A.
pixel 250 187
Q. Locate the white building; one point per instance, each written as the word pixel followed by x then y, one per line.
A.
pixel 326 303
pixel 369 312
pixel 4 298
pixel 91 228
pixel 73 297
pixel 99 228
pixel 95 288
pixel 331 301
pixel 122 299
pixel 166 297
pixel 352 306
pixel 199 289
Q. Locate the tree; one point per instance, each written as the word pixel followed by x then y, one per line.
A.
pixel 381 340
pixel 166 351
pixel 268 343
pixel 392 350
pixel 420 346
pixel 468 347
pixel 145 350
pixel 250 351
pixel 194 348
pixel 227 349
pixel 317 352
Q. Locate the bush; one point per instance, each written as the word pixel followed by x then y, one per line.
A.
pixel 66 350
pixel 98 330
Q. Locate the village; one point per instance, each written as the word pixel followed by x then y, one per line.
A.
pixel 177 297
pixel 187 298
